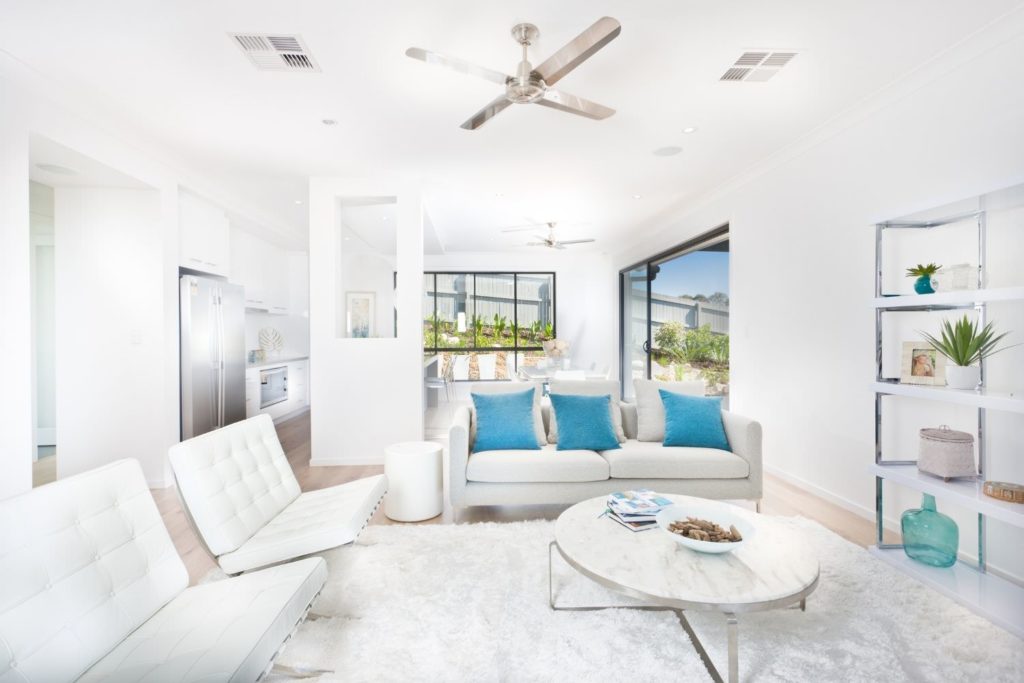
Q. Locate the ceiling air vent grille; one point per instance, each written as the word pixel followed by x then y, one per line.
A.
pixel 275 52
pixel 757 66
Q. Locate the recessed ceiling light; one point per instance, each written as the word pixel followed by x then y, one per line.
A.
pixel 385 217
pixel 330 122
pixel 54 168
pixel 670 151
pixel 690 129
pixel 298 201
pixel 636 196
pixel 346 239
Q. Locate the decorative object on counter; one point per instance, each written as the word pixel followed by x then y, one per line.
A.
pixel 257 356
pixel 924 284
pixel 964 344
pixel 271 341
pixel 1001 490
pixel 706 528
pixel 360 315
pixel 946 453
pixel 930 537
pixel 961 277
pixel 921 363
pixel 556 349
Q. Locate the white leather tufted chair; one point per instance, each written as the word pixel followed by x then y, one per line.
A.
pixel 91 588
pixel 242 497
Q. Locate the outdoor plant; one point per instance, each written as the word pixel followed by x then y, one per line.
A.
pixel 549 331
pixel 500 323
pixel 478 326
pixel 921 270
pixel 963 343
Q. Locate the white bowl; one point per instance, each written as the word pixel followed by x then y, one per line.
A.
pixel 719 514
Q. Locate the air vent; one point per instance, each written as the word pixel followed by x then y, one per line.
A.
pixel 275 52
pixel 757 66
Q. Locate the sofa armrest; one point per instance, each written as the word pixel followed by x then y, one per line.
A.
pixel 744 436
pixel 458 455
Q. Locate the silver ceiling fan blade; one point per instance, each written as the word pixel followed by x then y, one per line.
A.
pixel 578 50
pixel 563 101
pixel 576 241
pixel 536 244
pixel 459 65
pixel 523 228
pixel 493 108
pixel 558 245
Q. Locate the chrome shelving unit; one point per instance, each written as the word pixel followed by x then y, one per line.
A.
pixel 971 584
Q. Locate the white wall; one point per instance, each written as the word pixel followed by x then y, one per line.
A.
pixel 368 272
pixel 368 392
pixel 586 291
pixel 802 242
pixel 109 334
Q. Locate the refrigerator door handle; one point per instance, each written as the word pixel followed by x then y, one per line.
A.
pixel 221 378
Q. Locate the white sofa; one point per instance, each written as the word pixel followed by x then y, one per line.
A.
pixel 243 499
pixel 91 588
pixel 548 476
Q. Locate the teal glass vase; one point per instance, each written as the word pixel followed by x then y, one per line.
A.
pixel 923 285
pixel 929 536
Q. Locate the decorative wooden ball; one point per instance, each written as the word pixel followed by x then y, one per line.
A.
pixel 1002 490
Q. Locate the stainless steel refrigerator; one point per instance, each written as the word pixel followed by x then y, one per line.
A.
pixel 212 354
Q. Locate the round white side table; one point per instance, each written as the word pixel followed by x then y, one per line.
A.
pixel 414 473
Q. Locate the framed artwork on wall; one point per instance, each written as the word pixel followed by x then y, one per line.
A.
pixel 922 364
pixel 360 318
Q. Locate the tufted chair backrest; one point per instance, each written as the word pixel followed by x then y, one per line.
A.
pixel 234 480
pixel 83 563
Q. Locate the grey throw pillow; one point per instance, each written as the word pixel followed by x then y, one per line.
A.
pixel 650 413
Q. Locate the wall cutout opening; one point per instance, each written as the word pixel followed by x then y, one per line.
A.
pixel 367 272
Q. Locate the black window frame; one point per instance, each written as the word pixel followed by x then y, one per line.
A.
pixel 713 236
pixel 515 349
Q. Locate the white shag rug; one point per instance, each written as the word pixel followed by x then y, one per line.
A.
pixel 470 603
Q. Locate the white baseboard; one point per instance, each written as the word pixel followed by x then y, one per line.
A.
pixel 335 462
pixel 46 436
pixel 845 503
pixel 294 413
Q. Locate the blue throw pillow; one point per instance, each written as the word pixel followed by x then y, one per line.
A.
pixel 584 422
pixel 504 422
pixel 693 421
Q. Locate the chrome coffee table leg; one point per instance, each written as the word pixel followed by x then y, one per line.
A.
pixel 732 625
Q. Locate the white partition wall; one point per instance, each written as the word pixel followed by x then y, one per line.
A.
pixel 367 392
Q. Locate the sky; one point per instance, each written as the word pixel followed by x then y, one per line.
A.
pixel 699 272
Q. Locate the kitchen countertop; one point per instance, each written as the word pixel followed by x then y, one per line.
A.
pixel 273 363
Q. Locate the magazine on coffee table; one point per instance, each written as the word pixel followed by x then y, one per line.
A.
pixel 636 510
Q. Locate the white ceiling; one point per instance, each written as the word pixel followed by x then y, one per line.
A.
pixel 172 69
pixel 78 169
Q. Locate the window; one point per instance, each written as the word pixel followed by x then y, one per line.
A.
pixel 674 315
pixel 487 325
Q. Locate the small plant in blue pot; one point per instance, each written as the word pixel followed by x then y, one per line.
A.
pixel 923 284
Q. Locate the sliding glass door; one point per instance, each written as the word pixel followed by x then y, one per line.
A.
pixel 675 315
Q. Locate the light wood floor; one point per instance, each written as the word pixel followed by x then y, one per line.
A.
pixel 780 498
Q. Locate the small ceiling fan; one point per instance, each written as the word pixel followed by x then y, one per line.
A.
pixel 530 85
pixel 550 241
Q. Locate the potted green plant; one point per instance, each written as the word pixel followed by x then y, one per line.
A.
pixel 923 273
pixel 964 345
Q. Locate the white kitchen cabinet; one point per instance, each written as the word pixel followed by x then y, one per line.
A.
pixel 262 269
pixel 252 392
pixel 298 283
pixel 297 391
pixel 204 236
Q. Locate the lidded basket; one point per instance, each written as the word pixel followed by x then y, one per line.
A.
pixel 946 453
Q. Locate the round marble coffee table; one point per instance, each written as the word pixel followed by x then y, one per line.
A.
pixel 774 569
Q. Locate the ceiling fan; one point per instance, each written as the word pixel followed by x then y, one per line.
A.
pixel 550 241
pixel 533 85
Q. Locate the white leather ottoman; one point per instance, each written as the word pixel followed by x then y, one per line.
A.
pixel 414 474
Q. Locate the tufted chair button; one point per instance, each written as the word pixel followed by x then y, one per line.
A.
pixel 96 557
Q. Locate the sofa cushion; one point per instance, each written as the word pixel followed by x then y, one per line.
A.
pixel 693 421
pixel 84 561
pixel 510 388
pixel 316 520
pixel 226 630
pixel 586 422
pixel 650 413
pixel 544 465
pixel 646 460
pixel 588 388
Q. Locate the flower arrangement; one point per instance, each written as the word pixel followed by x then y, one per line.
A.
pixel 556 348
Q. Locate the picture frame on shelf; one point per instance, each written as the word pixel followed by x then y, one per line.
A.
pixel 921 363
pixel 360 314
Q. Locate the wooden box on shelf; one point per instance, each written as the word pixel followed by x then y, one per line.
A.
pixel 1001 490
